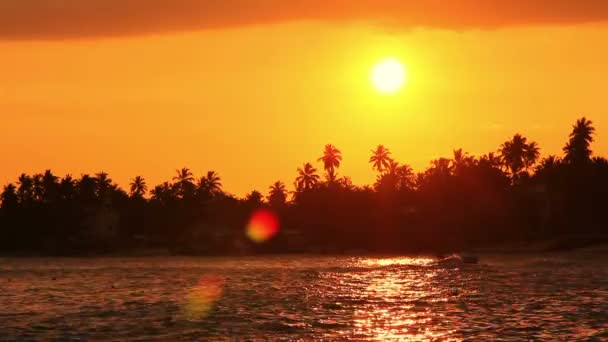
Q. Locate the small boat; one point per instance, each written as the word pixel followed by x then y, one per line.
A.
pixel 456 257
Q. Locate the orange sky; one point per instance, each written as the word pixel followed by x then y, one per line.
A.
pixel 256 102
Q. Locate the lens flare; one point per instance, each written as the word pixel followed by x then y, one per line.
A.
pixel 202 297
pixel 262 226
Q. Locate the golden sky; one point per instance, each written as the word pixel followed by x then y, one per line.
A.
pixel 254 93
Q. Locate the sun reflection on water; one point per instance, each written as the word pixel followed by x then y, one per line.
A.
pixel 397 261
pixel 399 303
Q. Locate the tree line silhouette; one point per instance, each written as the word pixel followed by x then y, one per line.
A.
pixel 457 203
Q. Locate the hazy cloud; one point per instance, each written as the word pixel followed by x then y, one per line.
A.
pixel 57 19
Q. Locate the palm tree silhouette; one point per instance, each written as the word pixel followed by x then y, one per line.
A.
pixel 441 166
pixel 210 184
pixel 87 188
pixel 577 149
pixel 38 186
pixel 164 193
pixel 331 161
pixel 50 186
pixel 404 175
pixel 548 162
pixel 517 154
pixel 278 194
pixel 67 188
pixel 104 184
pixel 25 191
pixel 532 154
pixel 138 187
pixel 461 160
pixel 491 160
pixel 254 199
pixel 9 197
pixel 184 182
pixel 380 158
pixel 307 177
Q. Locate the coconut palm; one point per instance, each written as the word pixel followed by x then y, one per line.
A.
pixel 9 197
pixel 549 162
pixel 25 190
pixel 441 166
pixel 164 193
pixel 490 159
pixel 307 177
pixel 518 154
pixel 38 187
pixel 532 154
pixel 405 176
pixel 331 161
pixel 577 149
pixel 67 188
pixel 380 158
pixel 184 182
pixel 50 186
pixel 87 188
pixel 278 194
pixel 254 199
pixel 461 160
pixel 210 184
pixel 138 187
pixel 104 184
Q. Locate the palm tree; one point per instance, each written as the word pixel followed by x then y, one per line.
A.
pixel 210 184
pixel 491 160
pixel 380 158
pixel 307 177
pixel 87 188
pixel 138 187
pixel 25 191
pixel 184 182
pixel 331 161
pixel 532 154
pixel 461 160
pixel 50 186
pixel 164 193
pixel 441 166
pixel 38 187
pixel 549 162
pixel 9 197
pixel 104 184
pixel 254 199
pixel 405 177
pixel 577 149
pixel 517 154
pixel 278 194
pixel 67 188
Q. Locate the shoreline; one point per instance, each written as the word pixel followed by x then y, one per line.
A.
pixel 544 247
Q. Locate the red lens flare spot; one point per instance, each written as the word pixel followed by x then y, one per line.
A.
pixel 202 297
pixel 262 226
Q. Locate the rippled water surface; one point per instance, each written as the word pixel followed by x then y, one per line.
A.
pixel 304 298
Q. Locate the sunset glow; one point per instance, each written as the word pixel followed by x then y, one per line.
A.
pixel 388 76
pixel 96 104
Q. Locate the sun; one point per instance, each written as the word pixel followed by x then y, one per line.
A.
pixel 388 76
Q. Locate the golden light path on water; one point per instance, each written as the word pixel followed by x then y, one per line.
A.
pixel 396 301
pixel 384 321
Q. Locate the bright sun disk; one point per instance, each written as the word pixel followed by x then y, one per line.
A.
pixel 388 76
